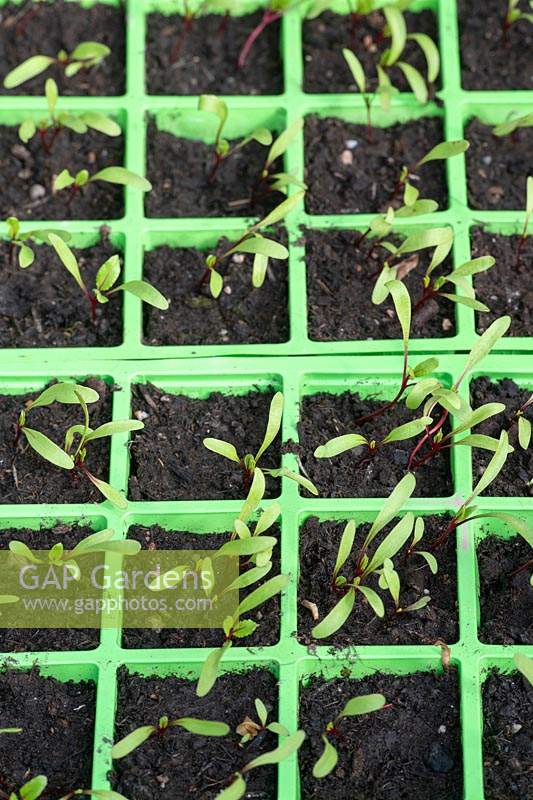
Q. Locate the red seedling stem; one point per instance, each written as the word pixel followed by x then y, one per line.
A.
pixel 403 386
pixel 434 448
pixel 180 41
pixel 269 17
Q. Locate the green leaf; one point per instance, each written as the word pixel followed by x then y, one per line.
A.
pixel 107 275
pixel 34 788
pixel 340 444
pixel 420 391
pixel 407 430
pixel 68 259
pixel 145 292
pixel 235 791
pixel 110 493
pixel 374 600
pixel 86 51
pixel 410 194
pixel 27 130
pixel 247 547
pixel 422 602
pixel 327 761
pixel 398 33
pixel 512 124
pixel 336 618
pixel 392 543
pixel 216 283
pixel 421 206
pixel 394 503
pixel 431 53
pixel 62 180
pixel 493 467
pixel 267 518
pixel 26 256
pixel 402 304
pixel 484 442
pixel 262 135
pixel 275 415
pixel 132 741
pixel 124 177
pixel 263 246
pixel 203 727
pixel 365 704
pixel 472 267
pixel 479 415
pixel 23 551
pixel 465 301
pixel 529 197
pixel 524 432
pixel 48 449
pixel 209 672
pixel 214 105
pixel 283 472
pixel 255 495
pixel 51 93
pixel 281 211
pixel 345 547
pixel 283 141
pixel 65 393
pixel 72 122
pixel 525 665
pixel 27 70
pixel 356 68
pixel 262 712
pixel 102 123
pixel 445 150
pixel 415 81
pixel 263 593
pixel 222 448
pixel 425 367
pixel 430 559
pixel 244 628
pixel 286 749
pixel 425 238
pixel 380 291
pixel 110 428
pixel 484 344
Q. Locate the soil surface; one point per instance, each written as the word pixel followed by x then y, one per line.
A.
pixel 325 37
pixel 490 61
pixel 28 175
pixel 415 746
pixel 507 735
pixel 207 59
pixel 518 470
pixel 170 462
pixel 26 477
pixel 43 306
pixel 58 730
pixel 319 544
pixel 324 416
pixel 506 287
pixel 181 764
pixel 506 603
pixel 347 174
pixel 38 639
pixel 46 28
pixel 179 170
pixel 241 314
pixel 267 615
pixel 497 166
pixel 340 279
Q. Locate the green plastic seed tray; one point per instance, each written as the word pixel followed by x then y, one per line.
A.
pixel 288 659
pixel 139 232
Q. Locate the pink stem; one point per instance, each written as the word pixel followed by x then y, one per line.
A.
pixel 268 18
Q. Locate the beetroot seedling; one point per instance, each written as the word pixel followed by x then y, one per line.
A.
pixel 512 126
pixel 164 725
pixel 290 745
pixel 514 14
pixel 368 564
pixel 50 127
pixel 274 11
pixel 73 454
pixel 106 278
pixel 248 729
pixel 279 181
pixel 85 56
pixel 17 239
pixel 409 174
pixel 214 105
pixel 114 175
pixel 249 463
pixel 252 241
pixel 356 706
